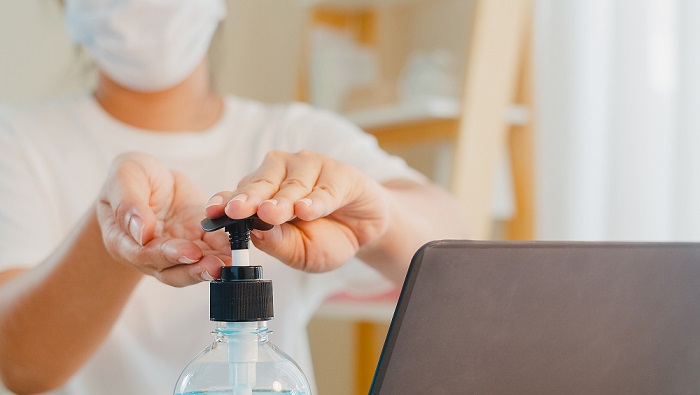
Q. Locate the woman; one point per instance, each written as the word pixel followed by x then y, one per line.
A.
pixel 103 265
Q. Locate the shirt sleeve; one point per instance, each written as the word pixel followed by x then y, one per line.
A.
pixel 26 218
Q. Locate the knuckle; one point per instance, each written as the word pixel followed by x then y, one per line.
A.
pixel 341 167
pixel 147 265
pixel 123 158
pixel 196 276
pixel 144 264
pixel 128 159
pixel 275 155
pixel 264 180
pixel 296 182
pixel 162 256
pixel 307 154
pixel 328 190
pixel 160 276
pixel 166 277
pixel 244 181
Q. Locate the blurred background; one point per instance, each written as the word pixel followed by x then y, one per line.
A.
pixel 548 119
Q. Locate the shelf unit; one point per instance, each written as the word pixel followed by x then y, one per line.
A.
pixel 480 127
pixel 493 117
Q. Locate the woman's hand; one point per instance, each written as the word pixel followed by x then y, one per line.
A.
pixel 150 219
pixel 324 210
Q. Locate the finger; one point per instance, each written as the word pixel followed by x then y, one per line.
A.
pixel 278 241
pixel 297 244
pixel 132 213
pixel 303 170
pixel 118 243
pixel 156 255
pixel 218 241
pixel 160 254
pixel 207 269
pixel 216 204
pixel 259 186
pixel 333 189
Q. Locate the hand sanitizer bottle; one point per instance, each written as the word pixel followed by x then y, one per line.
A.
pixel 241 360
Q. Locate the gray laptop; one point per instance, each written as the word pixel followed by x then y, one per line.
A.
pixel 546 318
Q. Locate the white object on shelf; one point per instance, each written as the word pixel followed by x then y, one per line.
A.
pixel 338 65
pixel 421 110
pixel 434 108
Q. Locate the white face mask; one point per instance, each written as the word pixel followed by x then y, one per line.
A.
pixel 145 45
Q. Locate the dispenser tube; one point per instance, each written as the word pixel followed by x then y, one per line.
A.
pixel 242 349
pixel 240 258
pixel 242 352
pixel 242 357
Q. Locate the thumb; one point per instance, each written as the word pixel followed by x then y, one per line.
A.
pixel 137 220
pixel 315 246
pixel 128 193
pixel 280 242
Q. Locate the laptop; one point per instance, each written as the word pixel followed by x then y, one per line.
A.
pixel 545 318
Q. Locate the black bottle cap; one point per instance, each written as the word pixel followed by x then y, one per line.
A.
pixel 241 295
pixel 233 273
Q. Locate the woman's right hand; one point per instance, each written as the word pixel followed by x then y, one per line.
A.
pixel 150 219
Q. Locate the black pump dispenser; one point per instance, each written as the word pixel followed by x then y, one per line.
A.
pixel 238 229
pixel 241 295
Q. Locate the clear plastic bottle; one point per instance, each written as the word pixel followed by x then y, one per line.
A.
pixel 241 360
pixel 223 369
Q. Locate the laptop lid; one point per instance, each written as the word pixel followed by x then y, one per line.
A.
pixel 546 318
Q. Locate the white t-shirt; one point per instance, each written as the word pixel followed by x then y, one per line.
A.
pixel 53 163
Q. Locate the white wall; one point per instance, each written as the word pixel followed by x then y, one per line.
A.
pixel 255 52
pixel 37 60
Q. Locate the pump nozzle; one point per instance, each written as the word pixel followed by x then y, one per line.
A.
pixel 238 234
pixel 238 229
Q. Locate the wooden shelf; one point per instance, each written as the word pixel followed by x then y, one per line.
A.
pixel 423 111
pixel 358 4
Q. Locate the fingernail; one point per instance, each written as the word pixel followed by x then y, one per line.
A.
pixel 184 259
pixel 215 201
pixel 306 201
pixel 242 197
pixel 271 201
pixel 136 229
pixel 206 276
pixel 238 198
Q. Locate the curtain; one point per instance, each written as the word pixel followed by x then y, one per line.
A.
pixel 617 87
